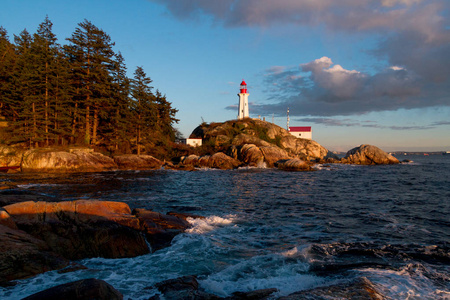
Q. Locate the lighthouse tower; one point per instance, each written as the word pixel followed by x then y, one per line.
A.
pixel 243 101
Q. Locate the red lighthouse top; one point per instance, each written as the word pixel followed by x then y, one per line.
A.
pixel 243 87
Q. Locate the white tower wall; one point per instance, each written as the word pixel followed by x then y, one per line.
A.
pixel 243 106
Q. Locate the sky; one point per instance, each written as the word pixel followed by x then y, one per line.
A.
pixel 358 71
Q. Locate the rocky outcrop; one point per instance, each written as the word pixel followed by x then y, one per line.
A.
pixel 137 162
pixel 79 290
pixel 22 256
pixel 218 160
pixel 89 228
pixel 187 288
pixel 239 133
pixel 293 165
pixel 83 228
pixel 368 155
pixel 43 236
pixel 361 288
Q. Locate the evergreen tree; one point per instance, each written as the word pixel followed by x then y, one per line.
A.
pixel 166 116
pixel 44 53
pixel 91 56
pixel 143 107
pixel 7 65
pixel 121 114
pixel 24 127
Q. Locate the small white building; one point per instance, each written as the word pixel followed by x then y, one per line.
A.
pixel 303 132
pixel 194 142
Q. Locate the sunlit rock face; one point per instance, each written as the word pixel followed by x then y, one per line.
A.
pixel 249 137
pixel 369 155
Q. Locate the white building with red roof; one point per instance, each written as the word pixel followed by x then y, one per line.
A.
pixel 303 132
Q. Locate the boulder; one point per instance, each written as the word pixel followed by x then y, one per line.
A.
pixel 187 288
pixel 251 155
pixel 6 220
pixel 272 154
pixel 62 161
pixel 83 228
pixel 79 290
pixel 361 288
pixel 216 161
pixel 368 155
pixel 137 162
pixel 293 165
pixel 160 229
pixel 22 256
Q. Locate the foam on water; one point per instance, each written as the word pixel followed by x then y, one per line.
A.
pixel 413 281
pixel 201 226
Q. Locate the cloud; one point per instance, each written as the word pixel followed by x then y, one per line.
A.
pixel 322 88
pixel 368 124
pixel 413 43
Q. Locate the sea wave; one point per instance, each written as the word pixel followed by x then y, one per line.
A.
pixel 201 226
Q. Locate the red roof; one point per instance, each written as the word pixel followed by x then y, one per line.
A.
pixel 300 129
pixel 243 82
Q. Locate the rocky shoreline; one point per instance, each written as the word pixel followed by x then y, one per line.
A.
pixel 227 145
pixel 40 236
pixel 85 160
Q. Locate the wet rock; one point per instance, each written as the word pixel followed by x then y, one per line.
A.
pixel 137 162
pixel 368 155
pixel 361 288
pixel 253 295
pixel 187 288
pixel 293 165
pixel 83 228
pixel 79 290
pixel 22 256
pixel 6 220
pixel 160 229
pixel 272 154
pixel 216 161
pixel 251 155
pixel 222 161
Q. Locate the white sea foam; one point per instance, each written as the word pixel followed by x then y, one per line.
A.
pixel 410 282
pixel 262 272
pixel 200 226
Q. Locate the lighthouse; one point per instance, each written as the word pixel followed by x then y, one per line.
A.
pixel 243 101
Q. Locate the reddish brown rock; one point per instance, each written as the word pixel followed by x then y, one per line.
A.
pixel 160 229
pixel 272 154
pixel 22 256
pixel 137 162
pixel 81 229
pixel 293 165
pixel 6 220
pixel 368 155
pixel 361 288
pixel 79 290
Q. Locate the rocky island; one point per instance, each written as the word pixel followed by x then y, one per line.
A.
pixel 227 145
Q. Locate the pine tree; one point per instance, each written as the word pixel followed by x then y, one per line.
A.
pixel 24 127
pixel 121 114
pixel 166 116
pixel 44 53
pixel 91 56
pixel 143 107
pixel 7 65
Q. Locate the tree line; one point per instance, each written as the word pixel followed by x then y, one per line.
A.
pixel 78 94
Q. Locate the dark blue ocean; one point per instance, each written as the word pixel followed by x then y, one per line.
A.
pixel 267 228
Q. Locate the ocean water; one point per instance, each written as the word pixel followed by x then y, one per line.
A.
pixel 267 228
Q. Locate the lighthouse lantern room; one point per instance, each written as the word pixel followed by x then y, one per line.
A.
pixel 243 101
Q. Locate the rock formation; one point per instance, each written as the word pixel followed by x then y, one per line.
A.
pixel 368 155
pixel 293 165
pixel 137 162
pixel 79 290
pixel 42 236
